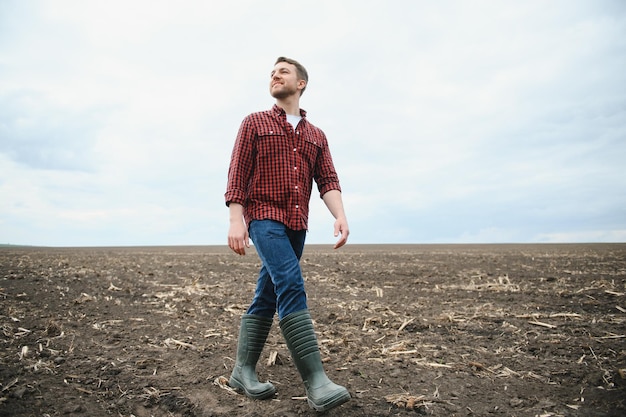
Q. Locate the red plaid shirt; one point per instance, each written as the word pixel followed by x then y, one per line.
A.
pixel 273 166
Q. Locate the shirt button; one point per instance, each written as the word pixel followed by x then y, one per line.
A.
pixel 296 187
pixel 295 168
pixel 297 206
pixel 295 149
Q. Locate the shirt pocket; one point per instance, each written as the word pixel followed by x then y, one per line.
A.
pixel 270 144
pixel 311 149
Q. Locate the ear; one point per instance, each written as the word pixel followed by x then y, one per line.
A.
pixel 301 84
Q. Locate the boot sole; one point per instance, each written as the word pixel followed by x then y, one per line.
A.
pixel 332 403
pixel 239 387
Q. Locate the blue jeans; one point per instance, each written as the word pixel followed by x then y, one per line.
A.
pixel 280 286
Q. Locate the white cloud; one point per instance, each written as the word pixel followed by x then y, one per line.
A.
pixel 615 236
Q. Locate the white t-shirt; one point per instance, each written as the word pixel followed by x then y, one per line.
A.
pixel 293 120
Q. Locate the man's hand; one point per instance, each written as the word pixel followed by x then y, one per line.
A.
pixel 333 201
pixel 341 227
pixel 238 238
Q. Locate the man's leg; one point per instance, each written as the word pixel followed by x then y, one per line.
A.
pixel 279 249
pixel 264 301
pixel 252 335
pixel 322 394
pixel 255 325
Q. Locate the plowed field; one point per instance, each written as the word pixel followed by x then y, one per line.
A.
pixel 444 330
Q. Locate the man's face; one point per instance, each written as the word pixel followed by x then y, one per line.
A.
pixel 284 81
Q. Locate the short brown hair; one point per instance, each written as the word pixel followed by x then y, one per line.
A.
pixel 300 70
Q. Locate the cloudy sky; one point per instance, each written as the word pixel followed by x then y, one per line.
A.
pixel 449 121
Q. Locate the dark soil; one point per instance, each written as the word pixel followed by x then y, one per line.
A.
pixel 467 330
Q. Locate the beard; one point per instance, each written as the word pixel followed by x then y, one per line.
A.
pixel 283 91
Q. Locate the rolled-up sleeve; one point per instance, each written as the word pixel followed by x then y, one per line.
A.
pixel 325 175
pixel 241 164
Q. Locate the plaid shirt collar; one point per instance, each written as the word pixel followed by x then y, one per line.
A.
pixel 279 111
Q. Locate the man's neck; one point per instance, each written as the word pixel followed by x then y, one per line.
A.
pixel 291 105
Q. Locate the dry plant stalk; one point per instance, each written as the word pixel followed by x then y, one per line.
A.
pixel 538 323
pixel 404 324
pixel 398 349
pixel 271 361
pixel 169 342
pixel 222 382
pixel 406 401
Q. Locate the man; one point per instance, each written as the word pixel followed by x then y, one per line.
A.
pixel 277 155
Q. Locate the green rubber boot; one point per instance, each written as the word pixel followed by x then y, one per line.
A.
pixel 321 392
pixel 252 335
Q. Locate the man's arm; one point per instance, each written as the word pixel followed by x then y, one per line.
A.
pixel 239 172
pixel 333 201
pixel 238 239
